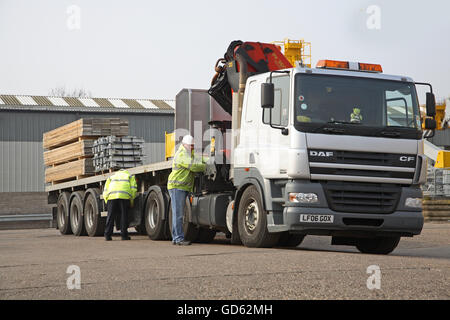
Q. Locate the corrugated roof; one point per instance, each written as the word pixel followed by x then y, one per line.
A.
pixel 71 102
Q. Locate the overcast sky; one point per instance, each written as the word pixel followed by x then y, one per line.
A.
pixel 152 49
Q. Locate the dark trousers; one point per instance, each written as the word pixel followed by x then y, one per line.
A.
pixel 117 208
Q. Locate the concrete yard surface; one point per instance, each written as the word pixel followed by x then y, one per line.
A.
pixel 43 264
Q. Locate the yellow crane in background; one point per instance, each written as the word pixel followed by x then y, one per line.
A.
pixel 440 156
pixel 296 50
pixel 442 120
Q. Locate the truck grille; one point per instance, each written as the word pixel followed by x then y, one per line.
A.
pixel 377 167
pixel 363 158
pixel 362 197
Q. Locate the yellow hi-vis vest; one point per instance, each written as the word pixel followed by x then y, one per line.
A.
pixel 121 185
pixel 183 168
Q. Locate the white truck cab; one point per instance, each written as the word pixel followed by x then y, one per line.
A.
pixel 335 151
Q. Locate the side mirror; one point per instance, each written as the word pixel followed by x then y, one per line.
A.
pixel 431 105
pixel 267 95
pixel 430 124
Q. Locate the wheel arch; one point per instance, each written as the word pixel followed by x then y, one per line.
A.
pixel 247 183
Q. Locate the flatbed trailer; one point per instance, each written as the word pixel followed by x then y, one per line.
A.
pixel 80 207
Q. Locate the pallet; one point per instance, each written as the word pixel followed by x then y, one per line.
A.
pixel 71 179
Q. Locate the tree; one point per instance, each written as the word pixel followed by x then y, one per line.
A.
pixel 76 93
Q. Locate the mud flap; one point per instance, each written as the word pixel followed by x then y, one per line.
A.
pixel 134 214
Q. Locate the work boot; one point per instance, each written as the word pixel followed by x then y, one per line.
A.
pixel 183 243
pixel 108 238
pixel 126 238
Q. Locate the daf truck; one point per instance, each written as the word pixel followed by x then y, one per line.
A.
pixel 291 160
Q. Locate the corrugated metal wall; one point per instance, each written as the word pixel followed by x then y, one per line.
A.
pixel 441 138
pixel 21 152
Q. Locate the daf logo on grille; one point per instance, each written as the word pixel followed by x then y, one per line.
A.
pixel 406 159
pixel 321 153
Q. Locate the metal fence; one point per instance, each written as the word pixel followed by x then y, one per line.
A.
pixel 438 182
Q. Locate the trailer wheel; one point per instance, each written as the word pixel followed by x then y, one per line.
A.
pixel 290 240
pixel 62 213
pixel 190 230
pixel 76 213
pixel 205 235
pixel 379 245
pixel 154 212
pixel 94 223
pixel 252 221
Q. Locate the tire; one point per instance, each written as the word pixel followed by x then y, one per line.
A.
pixel 205 235
pixel 190 230
pixel 76 213
pixel 290 240
pixel 153 215
pixel 62 213
pixel 252 221
pixel 94 223
pixel 380 245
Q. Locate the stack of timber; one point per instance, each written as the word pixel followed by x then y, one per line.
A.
pixel 69 154
pixel 436 209
pixel 112 153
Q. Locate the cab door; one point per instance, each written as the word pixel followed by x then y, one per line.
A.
pixel 273 145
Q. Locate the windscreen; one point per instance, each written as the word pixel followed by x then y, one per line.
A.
pixel 356 105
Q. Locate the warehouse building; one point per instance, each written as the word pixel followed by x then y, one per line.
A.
pixel 24 119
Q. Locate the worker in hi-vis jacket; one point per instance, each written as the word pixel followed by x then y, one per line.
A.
pixel 119 193
pixel 181 181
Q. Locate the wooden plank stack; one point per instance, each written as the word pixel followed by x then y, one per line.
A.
pixel 436 209
pixel 84 128
pixel 69 154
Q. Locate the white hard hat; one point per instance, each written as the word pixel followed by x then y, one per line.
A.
pixel 188 139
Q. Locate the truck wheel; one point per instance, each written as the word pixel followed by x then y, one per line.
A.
pixel 94 223
pixel 154 211
pixel 252 221
pixel 290 240
pixel 379 245
pixel 76 213
pixel 62 213
pixel 205 235
pixel 190 230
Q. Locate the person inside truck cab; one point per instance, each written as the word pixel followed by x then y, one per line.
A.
pixel 356 116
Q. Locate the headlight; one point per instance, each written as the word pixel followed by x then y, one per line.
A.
pixel 413 202
pixel 303 197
